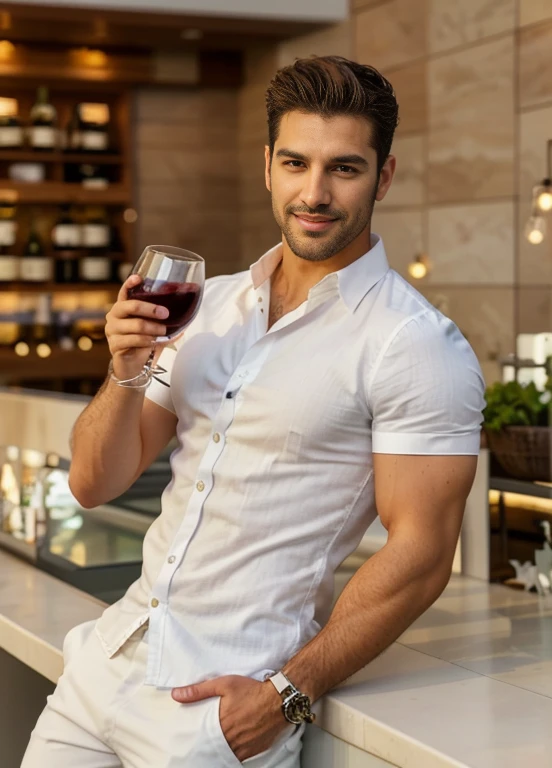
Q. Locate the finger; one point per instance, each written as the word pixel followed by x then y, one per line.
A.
pixel 135 308
pixel 200 691
pixel 122 343
pixel 131 282
pixel 139 326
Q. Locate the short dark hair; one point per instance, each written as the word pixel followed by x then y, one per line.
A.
pixel 330 86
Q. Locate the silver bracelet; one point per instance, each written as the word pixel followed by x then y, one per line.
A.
pixel 142 381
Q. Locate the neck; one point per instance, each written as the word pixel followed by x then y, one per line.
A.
pixel 295 276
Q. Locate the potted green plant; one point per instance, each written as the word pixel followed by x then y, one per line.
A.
pixel 517 427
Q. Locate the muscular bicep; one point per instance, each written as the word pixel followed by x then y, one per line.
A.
pixel 157 428
pixel 423 496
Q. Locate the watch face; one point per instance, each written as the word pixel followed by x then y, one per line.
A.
pixel 298 709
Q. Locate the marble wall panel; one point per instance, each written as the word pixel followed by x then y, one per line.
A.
pixel 535 261
pixel 533 11
pixel 410 86
pixel 472 244
pixel 485 315
pixel 357 5
pixel 391 34
pixel 330 41
pixel 471 113
pixel 535 65
pixel 535 310
pixel 453 24
pixel 409 180
pixel 401 232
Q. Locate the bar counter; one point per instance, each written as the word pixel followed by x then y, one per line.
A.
pixel 469 684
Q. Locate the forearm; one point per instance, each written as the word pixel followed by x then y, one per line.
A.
pixel 379 603
pixel 106 445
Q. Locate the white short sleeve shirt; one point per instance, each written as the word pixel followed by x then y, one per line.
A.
pixel 272 482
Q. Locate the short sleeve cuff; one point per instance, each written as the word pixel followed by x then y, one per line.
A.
pixel 427 444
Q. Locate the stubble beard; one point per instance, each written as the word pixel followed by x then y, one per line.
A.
pixel 319 246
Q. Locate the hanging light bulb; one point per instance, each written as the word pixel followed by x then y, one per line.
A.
pixel 535 229
pixel 543 197
pixel 419 267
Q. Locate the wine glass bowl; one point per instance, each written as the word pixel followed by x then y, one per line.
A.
pixel 173 278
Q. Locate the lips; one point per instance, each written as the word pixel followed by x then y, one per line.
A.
pixel 314 225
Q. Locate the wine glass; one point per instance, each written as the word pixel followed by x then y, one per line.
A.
pixel 173 278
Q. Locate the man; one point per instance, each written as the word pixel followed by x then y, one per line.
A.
pixel 306 394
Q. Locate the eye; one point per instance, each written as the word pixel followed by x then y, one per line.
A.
pixel 294 163
pixel 349 170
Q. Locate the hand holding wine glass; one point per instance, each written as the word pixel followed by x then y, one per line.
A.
pixel 156 303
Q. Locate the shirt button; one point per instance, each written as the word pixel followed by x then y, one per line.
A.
pixel 200 486
pixel 216 437
pixel 154 602
pixel 171 559
pixel 259 299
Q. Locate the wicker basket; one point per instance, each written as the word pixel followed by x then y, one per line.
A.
pixel 523 452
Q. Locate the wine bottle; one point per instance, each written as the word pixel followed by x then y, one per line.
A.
pixel 95 265
pixel 9 263
pixel 93 127
pixel 42 132
pixel 11 131
pixel 35 265
pixel 66 239
pixel 43 331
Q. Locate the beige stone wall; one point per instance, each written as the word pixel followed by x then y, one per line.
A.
pixel 475 94
pixel 187 173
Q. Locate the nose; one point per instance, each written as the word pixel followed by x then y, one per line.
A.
pixel 316 189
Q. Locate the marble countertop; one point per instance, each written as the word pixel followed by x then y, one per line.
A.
pixel 469 684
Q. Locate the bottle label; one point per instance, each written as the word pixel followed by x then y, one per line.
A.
pixel 66 235
pixel 36 269
pixel 11 136
pixel 8 231
pixel 43 137
pixel 94 141
pixel 95 235
pixel 96 268
pixel 9 268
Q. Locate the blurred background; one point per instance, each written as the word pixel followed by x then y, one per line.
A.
pixel 129 122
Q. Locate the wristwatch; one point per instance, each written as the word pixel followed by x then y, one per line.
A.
pixel 296 706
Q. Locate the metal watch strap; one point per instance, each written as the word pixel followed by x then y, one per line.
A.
pixel 280 682
pixel 289 694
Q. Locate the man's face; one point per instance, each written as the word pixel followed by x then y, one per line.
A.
pixel 323 181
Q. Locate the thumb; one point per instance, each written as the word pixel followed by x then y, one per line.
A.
pixel 199 691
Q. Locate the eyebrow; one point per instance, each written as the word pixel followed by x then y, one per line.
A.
pixel 344 159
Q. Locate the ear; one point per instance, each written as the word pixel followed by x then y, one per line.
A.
pixel 386 177
pixel 267 168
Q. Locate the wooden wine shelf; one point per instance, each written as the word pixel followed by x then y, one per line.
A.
pixel 57 193
pixel 23 287
pixel 73 364
pixel 28 156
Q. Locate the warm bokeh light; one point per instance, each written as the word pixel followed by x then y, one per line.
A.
pixel 87 57
pixel 417 270
pixel 22 349
pixel 85 343
pixel 44 350
pixel 7 50
pixel 91 112
pixel 535 230
pixel 544 201
pixel 130 215
pixel 8 107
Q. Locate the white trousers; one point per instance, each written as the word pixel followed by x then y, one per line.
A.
pixel 101 715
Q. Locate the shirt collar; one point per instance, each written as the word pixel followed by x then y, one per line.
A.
pixel 353 282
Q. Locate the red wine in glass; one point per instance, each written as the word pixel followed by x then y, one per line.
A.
pixel 181 299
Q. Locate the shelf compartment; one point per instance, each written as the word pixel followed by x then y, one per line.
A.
pixel 28 156
pixel 57 193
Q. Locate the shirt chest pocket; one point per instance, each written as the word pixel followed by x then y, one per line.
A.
pixel 327 432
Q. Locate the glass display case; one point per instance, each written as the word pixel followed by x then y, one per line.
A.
pixel 98 550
